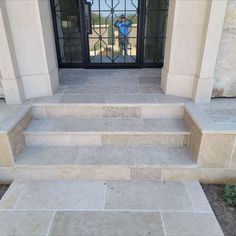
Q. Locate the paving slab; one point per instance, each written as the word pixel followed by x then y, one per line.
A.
pixel 80 195
pixel 194 224
pixel 147 195
pixel 25 223
pixel 107 224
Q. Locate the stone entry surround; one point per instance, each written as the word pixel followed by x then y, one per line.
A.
pixel 99 208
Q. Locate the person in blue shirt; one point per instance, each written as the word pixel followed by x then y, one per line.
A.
pixel 123 25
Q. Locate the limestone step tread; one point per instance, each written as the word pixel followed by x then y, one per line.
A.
pixel 123 207
pixel 107 125
pixel 95 156
pixel 121 99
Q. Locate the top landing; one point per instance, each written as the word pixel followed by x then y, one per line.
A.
pixel 110 86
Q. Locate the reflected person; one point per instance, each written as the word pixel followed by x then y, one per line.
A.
pixel 123 25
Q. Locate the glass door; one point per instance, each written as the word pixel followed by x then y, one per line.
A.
pixel 110 33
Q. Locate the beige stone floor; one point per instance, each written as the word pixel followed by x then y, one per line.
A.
pixel 111 208
pixel 109 86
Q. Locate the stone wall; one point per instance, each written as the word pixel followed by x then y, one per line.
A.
pixel 225 73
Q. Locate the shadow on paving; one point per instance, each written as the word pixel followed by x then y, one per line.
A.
pixel 3 189
pixel 225 215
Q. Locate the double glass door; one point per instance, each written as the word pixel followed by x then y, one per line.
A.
pixel 110 33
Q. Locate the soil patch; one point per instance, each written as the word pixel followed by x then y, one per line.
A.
pixel 225 215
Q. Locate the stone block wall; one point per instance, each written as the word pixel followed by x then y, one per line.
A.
pixel 12 141
pixel 225 72
pixel 213 149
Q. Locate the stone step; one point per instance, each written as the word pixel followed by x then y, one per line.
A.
pixel 106 162
pixel 107 131
pixel 155 111
pixel 129 156
pixel 106 208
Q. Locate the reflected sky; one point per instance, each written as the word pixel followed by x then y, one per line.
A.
pixel 118 5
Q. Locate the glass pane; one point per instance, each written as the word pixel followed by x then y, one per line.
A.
pixel 155 31
pixel 114 31
pixel 68 31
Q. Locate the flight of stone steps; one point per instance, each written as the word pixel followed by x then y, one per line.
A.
pixel 105 141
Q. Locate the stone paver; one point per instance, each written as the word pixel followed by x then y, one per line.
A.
pixel 107 224
pixel 25 223
pixel 191 224
pixel 146 195
pixel 62 195
pixel 197 196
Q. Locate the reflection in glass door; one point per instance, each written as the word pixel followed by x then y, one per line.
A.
pixel 114 31
pixel 68 32
pixel 110 33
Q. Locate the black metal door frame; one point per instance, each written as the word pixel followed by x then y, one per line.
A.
pixel 85 42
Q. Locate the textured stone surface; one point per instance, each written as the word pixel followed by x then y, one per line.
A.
pixel 117 112
pixel 144 195
pixel 233 157
pixel 195 136
pixel 148 139
pixel 6 158
pixel 47 156
pixel 16 136
pixel 225 73
pixel 10 197
pixel 197 196
pixel 13 120
pixel 107 223
pixel 62 195
pixel 145 173
pixel 27 223
pixel 96 208
pixel 73 111
pixel 167 111
pixel 108 125
pixel 216 150
pixel 183 223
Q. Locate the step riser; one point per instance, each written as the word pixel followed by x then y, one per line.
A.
pixel 165 111
pixel 105 139
pixel 97 173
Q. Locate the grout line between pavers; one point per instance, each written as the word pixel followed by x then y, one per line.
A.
pixel 20 195
pixel 105 193
pixel 108 210
pixel 190 199
pixel 76 154
pixel 232 153
pixel 162 222
pixel 51 223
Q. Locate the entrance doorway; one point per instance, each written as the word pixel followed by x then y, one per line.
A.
pixel 110 33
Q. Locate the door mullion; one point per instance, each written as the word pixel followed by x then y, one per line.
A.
pixel 84 35
pixel 142 9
